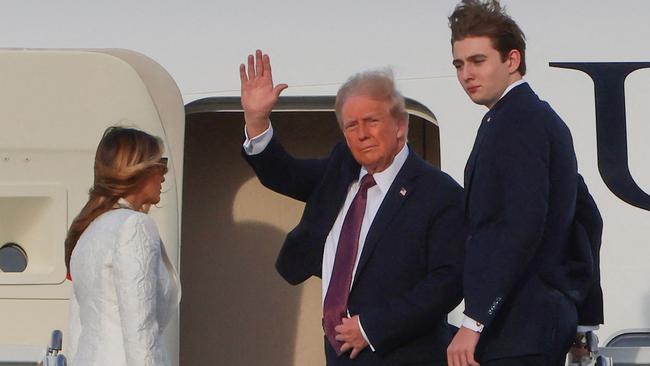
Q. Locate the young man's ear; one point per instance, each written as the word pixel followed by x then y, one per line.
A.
pixel 514 60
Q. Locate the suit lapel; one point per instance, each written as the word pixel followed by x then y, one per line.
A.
pixel 471 161
pixel 397 194
pixel 520 91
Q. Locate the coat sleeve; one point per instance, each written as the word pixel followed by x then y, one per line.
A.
pixel 282 173
pixel 590 311
pixel 500 249
pixel 136 266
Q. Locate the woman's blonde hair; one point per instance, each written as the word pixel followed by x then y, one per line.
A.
pixel 123 160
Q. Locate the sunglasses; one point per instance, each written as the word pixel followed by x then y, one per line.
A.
pixel 162 165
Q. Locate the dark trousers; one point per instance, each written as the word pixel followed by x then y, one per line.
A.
pixel 518 361
pixel 368 358
pixel 555 357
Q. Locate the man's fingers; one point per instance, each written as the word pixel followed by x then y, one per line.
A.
pixel 462 359
pixel 354 353
pixel 266 67
pixel 242 74
pixel 451 354
pixel 346 347
pixel 453 358
pixel 340 337
pixel 251 67
pixel 341 327
pixel 450 359
pixel 259 68
pixel 278 89
pixel 470 358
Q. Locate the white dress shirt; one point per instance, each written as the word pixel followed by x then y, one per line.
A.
pixel 376 194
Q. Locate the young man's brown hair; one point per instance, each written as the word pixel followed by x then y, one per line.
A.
pixel 476 18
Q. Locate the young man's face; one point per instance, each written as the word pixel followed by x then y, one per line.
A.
pixel 481 71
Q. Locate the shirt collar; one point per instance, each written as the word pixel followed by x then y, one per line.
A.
pixel 123 203
pixel 512 86
pixel 385 178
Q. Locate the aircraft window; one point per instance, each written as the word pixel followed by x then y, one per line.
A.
pixel 12 258
pixel 632 339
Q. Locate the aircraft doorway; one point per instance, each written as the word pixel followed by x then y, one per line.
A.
pixel 236 310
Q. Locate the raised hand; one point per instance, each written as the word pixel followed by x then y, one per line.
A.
pixel 258 95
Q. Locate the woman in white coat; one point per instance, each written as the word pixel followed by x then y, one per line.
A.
pixel 125 289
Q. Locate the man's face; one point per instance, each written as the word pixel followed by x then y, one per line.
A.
pixel 480 70
pixel 373 135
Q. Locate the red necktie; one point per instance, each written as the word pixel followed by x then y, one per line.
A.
pixel 336 301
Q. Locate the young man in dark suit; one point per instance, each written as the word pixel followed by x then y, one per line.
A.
pixel 381 227
pixel 521 188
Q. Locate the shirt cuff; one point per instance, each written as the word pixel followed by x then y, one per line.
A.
pixel 587 328
pixel 258 143
pixel 363 333
pixel 472 324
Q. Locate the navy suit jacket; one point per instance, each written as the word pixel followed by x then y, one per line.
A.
pixel 528 263
pixel 409 274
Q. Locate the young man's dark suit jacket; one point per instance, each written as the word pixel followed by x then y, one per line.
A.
pixel 521 186
pixel 409 274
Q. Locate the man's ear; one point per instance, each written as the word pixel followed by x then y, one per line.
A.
pixel 402 129
pixel 514 60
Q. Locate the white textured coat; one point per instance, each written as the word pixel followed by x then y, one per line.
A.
pixel 125 292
